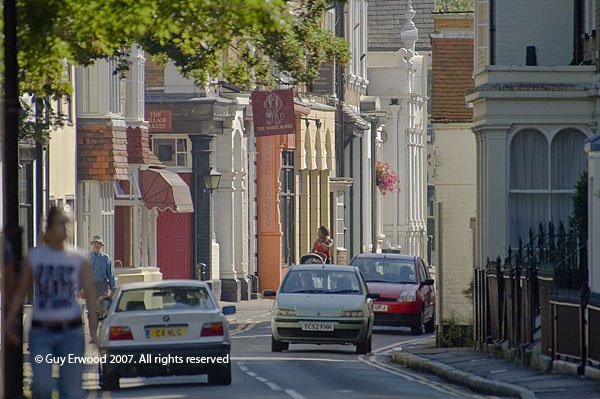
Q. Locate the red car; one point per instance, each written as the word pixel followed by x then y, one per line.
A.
pixel 407 295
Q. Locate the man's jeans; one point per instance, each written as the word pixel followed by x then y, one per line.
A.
pixel 50 345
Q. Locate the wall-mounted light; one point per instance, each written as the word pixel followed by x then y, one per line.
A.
pixel 317 122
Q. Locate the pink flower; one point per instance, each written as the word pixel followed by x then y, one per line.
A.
pixel 386 179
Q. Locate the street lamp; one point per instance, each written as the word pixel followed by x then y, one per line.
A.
pixel 211 181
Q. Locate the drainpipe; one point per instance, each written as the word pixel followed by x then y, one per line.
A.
pixel 577 23
pixel 374 197
pixel 361 196
pixel 351 196
pixel 492 23
pixel 340 31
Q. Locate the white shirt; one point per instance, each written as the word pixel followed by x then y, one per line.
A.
pixel 56 277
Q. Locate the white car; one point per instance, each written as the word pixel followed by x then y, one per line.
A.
pixel 172 327
pixel 322 304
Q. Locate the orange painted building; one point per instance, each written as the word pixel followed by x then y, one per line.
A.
pixel 268 165
pixel 293 191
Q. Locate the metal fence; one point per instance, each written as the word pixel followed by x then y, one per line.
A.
pixel 539 294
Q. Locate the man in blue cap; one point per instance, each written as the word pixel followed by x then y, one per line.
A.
pixel 102 268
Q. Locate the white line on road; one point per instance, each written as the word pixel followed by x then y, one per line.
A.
pixel 294 394
pixel 251 336
pixel 444 388
pixel 273 386
pixel 308 359
pixel 263 380
pixel 251 373
pixel 400 343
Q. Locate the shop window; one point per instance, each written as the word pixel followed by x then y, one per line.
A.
pixel 287 207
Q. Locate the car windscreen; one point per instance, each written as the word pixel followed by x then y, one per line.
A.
pixel 165 298
pixel 322 281
pixel 387 270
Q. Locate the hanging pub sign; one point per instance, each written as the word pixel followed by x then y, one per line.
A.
pixel 273 112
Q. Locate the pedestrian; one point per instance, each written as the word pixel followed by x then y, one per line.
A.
pixel 323 244
pixel 102 267
pixel 56 271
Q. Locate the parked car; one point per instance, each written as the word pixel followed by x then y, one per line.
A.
pixel 322 304
pixel 407 295
pixel 146 322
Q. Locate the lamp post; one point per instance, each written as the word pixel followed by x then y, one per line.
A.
pixel 211 183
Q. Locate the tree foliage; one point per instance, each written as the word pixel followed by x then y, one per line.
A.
pixel 455 5
pixel 194 34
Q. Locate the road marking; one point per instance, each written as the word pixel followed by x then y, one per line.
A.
pixel 497 371
pixel 263 380
pixel 308 359
pixel 251 336
pixel 401 343
pixel 294 394
pixel 251 373
pixel 273 386
pixel 419 379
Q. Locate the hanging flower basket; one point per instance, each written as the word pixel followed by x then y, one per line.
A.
pixel 386 179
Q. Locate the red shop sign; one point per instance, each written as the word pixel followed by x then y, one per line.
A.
pixel 160 120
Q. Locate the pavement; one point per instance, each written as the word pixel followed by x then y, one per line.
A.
pixel 494 376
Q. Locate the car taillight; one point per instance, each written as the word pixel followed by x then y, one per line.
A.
pixel 212 329
pixel 119 333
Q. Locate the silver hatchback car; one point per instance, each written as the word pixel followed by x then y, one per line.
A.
pixel 322 304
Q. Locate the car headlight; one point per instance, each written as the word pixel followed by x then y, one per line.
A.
pixel 352 313
pixel 408 296
pixel 285 312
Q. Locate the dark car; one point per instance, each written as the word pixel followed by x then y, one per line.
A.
pixel 407 295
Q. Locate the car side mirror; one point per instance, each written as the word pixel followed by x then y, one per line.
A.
pixel 103 304
pixel 228 310
pixel 428 281
pixel 373 295
pixel 269 294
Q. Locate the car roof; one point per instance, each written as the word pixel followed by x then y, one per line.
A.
pixel 386 256
pixel 335 268
pixel 163 284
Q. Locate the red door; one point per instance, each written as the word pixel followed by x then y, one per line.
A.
pixel 173 241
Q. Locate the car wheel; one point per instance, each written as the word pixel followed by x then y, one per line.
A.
pixel 220 376
pixel 364 347
pixel 417 327
pixel 430 325
pixel 278 346
pixel 109 380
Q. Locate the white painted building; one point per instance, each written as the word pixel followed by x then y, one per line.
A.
pixel 530 118
pixel 399 79
pixel 216 117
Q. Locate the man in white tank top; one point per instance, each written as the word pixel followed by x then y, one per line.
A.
pixel 56 326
